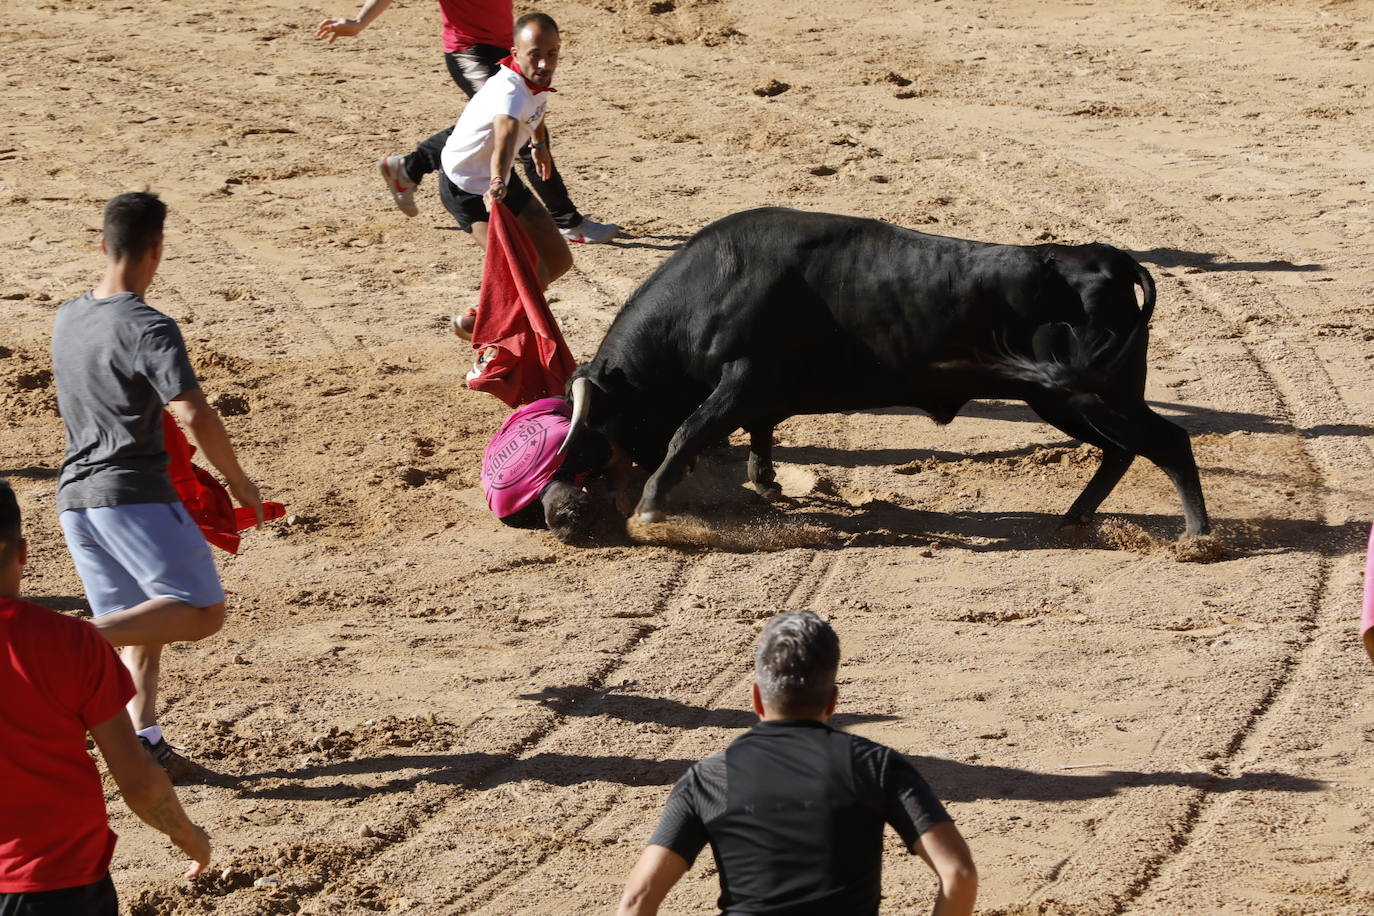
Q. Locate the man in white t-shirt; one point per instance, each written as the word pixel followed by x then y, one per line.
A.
pixel 506 113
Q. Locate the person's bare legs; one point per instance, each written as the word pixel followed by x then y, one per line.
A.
pixel 140 632
pixel 159 621
pixel 144 664
pixel 555 258
pixel 145 667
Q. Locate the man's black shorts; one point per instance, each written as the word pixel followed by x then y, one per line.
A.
pixel 471 208
pixel 95 899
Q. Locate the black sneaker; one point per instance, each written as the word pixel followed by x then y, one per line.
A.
pixel 178 768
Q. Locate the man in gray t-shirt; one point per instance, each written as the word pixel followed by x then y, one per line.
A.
pixel 146 569
pixel 117 361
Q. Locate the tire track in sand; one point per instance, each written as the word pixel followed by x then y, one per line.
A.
pixel 1305 392
pixel 309 868
pixel 808 572
pixel 1293 375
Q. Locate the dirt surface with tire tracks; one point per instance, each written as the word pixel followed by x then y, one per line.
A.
pixel 424 712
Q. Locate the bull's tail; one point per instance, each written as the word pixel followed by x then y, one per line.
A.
pixel 1088 360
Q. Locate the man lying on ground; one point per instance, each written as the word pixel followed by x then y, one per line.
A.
pixel 794 809
pixel 59 680
pixel 1367 617
pixel 531 483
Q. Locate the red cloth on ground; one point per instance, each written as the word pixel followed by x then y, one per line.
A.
pixel 205 499
pixel 58 679
pixel 530 359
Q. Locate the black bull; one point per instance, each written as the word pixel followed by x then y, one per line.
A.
pixel 770 313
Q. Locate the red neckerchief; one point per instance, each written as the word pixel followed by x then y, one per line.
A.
pixel 510 62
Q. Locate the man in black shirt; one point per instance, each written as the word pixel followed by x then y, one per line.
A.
pixel 794 809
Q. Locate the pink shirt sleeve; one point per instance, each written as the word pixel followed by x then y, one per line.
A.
pixel 1367 618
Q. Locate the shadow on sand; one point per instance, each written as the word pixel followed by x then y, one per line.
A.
pixel 31 473
pixel 1192 417
pixel 960 782
pixel 952 780
pixel 1205 262
pixel 573 701
pixel 656 242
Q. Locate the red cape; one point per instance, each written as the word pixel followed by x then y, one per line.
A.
pixel 528 359
pixel 205 499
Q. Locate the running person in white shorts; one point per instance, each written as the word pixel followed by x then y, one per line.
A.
pixel 145 566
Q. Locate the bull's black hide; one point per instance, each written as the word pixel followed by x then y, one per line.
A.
pixel 770 313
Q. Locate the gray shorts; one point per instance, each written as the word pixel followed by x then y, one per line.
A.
pixel 126 555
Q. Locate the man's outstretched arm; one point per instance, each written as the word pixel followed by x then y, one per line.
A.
pixel 658 869
pixel 504 129
pixel 331 29
pixel 945 851
pixel 146 789
pixel 207 430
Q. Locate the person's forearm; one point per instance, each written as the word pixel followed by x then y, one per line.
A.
pixel 956 896
pixel 637 902
pixel 371 10
pixel 503 152
pixel 155 802
pixel 210 436
pixel 657 870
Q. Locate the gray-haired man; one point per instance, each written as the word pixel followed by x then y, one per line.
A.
pixel 794 809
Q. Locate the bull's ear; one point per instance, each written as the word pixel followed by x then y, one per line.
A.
pixel 614 380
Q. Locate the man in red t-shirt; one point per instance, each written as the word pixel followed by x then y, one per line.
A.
pixel 60 679
pixel 477 36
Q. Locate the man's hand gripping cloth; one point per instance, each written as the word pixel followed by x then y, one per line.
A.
pixel 205 499
pixel 1367 618
pixel 522 354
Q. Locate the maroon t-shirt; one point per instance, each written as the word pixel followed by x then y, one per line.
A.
pixel 58 679
pixel 477 22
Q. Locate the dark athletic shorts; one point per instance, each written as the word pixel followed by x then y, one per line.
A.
pixel 96 899
pixel 471 208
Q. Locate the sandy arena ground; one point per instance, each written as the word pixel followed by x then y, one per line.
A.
pixel 428 713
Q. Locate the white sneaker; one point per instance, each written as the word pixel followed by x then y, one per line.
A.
pixel 398 183
pixel 590 232
pixel 464 323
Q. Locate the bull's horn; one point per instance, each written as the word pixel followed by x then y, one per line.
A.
pixel 582 403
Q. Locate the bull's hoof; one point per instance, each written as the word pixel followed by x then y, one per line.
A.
pixel 767 490
pixel 652 516
pixel 1073 522
pixel 1073 531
